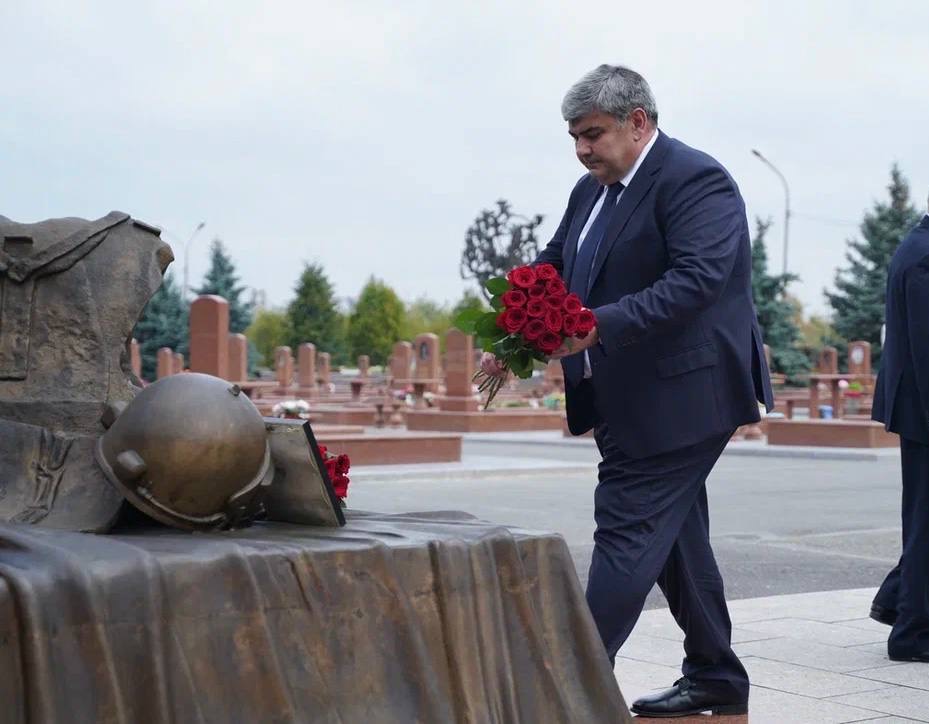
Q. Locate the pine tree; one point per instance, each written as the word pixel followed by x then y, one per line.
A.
pixel 221 279
pixel 776 313
pixel 858 302
pixel 313 316
pixel 376 322
pixel 164 323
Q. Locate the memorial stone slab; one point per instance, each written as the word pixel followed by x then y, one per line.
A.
pixel 238 357
pixel 284 366
pixel 306 366
pixel 859 358
pixel 209 335
pixel 165 359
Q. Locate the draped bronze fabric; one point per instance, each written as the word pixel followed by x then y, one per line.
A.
pixel 430 617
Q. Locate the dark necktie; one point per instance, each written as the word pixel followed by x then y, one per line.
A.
pixel 583 263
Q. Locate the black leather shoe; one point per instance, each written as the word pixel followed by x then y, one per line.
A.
pixel 921 656
pixel 685 698
pixel 883 615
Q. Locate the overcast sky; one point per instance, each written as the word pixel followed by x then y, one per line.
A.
pixel 368 135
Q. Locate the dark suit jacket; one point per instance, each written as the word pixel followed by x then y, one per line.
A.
pixel 680 357
pixel 901 397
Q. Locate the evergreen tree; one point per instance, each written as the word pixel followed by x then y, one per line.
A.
pixel 313 316
pixel 376 322
pixel 775 310
pixel 164 323
pixel 858 302
pixel 221 279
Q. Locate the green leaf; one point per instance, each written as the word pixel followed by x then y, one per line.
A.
pixel 497 303
pixel 497 285
pixel 467 320
pixel 486 326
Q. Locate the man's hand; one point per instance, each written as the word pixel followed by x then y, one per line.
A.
pixel 573 346
pixel 491 366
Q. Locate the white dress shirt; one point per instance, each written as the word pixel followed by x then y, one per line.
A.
pixel 625 181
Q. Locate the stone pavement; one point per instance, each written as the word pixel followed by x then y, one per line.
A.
pixel 811 657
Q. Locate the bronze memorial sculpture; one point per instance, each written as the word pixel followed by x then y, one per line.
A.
pixel 230 585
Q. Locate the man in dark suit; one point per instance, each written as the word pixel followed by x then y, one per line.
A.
pixel 901 402
pixel 655 241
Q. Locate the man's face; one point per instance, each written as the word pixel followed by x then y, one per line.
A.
pixel 606 146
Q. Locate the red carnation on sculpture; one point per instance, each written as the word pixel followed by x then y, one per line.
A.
pixel 337 467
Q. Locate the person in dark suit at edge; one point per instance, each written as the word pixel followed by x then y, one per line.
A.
pixel 901 402
pixel 655 241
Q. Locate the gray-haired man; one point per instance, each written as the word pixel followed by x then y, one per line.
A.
pixel 655 242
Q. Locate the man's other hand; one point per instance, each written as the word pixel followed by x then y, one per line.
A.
pixel 573 346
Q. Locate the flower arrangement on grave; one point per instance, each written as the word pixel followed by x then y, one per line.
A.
pixel 337 466
pixel 296 409
pixel 533 314
pixel 851 389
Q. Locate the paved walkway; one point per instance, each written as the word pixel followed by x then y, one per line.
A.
pixel 812 657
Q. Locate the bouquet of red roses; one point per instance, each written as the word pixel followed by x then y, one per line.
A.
pixel 533 315
pixel 337 466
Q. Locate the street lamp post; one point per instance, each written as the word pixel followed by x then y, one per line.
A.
pixel 770 165
pixel 187 257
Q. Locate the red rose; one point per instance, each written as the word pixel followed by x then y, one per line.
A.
pixel 500 317
pixel 544 272
pixel 342 464
pixel 514 319
pixel 555 302
pixel 572 304
pixel 536 308
pixel 586 321
pixel 553 321
pixel 569 325
pixel 331 468
pixel 522 276
pixel 556 287
pixel 322 451
pixel 534 329
pixel 340 486
pixel 536 291
pixel 548 342
pixel 514 298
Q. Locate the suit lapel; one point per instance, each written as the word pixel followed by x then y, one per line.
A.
pixel 569 250
pixel 643 180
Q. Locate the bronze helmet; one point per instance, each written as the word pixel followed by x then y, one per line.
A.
pixel 190 451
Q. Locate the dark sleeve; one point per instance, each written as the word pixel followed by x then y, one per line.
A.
pixel 704 225
pixel 917 324
pixel 552 253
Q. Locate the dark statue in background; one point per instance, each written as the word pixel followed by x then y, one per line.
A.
pixel 498 241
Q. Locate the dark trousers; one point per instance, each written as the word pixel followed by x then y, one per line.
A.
pixel 653 526
pixel 906 588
